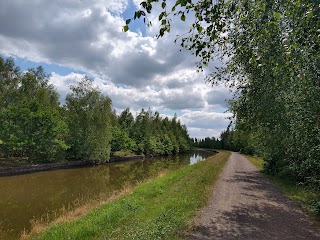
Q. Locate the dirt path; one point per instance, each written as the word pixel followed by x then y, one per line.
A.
pixel 245 205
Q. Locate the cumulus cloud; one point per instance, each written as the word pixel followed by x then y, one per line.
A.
pixel 134 70
pixel 219 96
pixel 201 133
pixel 183 98
pixel 202 124
pixel 62 83
pixel 206 120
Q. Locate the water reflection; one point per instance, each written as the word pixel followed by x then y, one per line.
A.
pixel 31 196
pixel 196 158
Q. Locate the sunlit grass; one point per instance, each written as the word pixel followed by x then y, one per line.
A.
pixel 258 162
pixel 159 209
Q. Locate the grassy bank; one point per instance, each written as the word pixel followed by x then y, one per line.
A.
pixel 307 198
pixel 159 209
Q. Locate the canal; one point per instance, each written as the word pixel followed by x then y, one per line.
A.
pixel 25 198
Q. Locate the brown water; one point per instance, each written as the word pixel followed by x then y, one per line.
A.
pixel 42 194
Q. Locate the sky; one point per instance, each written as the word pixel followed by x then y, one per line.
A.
pixel 74 38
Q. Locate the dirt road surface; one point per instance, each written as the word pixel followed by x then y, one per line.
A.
pixel 245 205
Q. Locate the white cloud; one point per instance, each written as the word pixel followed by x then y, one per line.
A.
pixel 135 71
pixel 62 83
pixel 202 124
pixel 201 133
pixel 206 120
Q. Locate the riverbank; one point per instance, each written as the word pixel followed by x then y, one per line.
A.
pixel 30 168
pixel 161 208
pixel 204 149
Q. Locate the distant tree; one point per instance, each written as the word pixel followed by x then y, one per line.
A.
pixel 126 119
pixel 155 135
pixel 209 143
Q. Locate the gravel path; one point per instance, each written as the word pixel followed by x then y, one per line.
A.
pixel 245 205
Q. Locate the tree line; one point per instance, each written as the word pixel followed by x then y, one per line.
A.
pixel 230 139
pixel 207 142
pixel 271 51
pixel 35 126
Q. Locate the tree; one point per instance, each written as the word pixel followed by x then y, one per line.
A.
pixel 30 122
pixel 89 120
pixel 9 82
pixel 126 119
pixel 121 140
pixel 122 132
pixel 272 53
pixel 149 133
pixel 33 125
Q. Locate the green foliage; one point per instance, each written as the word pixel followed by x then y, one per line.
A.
pixel 121 140
pixel 272 53
pixel 239 140
pixel 148 133
pixel 30 122
pixel 278 101
pixel 123 154
pixel 89 123
pixel 209 143
pixel 31 130
pixel 33 125
pixel 9 82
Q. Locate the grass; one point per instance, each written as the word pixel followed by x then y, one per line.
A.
pixel 258 162
pixel 159 209
pixel 308 199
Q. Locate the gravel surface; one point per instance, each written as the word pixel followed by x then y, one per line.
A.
pixel 246 205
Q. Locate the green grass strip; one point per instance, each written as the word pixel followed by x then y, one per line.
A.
pixel 307 198
pixel 258 162
pixel 159 209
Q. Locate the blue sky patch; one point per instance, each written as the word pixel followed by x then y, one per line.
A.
pixel 25 64
pixel 137 25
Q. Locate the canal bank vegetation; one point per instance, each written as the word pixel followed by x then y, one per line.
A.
pixel 306 197
pixel 158 209
pixel 36 128
pixel 271 55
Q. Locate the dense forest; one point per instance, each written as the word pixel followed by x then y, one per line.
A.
pixel 35 126
pixel 271 55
